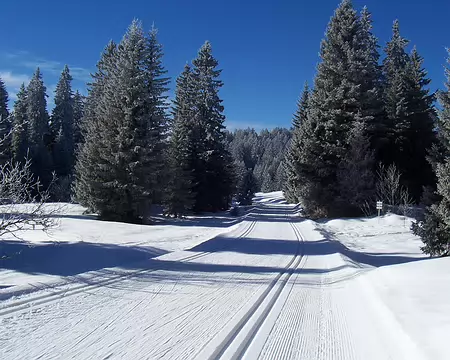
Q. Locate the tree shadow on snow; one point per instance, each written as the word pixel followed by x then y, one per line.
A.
pixel 68 259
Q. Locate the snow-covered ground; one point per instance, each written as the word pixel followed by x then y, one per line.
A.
pixel 269 285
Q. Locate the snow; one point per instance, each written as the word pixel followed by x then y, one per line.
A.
pixel 268 285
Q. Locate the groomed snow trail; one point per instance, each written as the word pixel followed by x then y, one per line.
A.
pixel 274 288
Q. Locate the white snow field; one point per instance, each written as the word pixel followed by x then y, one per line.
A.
pixel 269 285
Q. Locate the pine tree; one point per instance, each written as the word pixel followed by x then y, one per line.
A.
pixel 179 198
pixel 62 126
pixel 345 85
pixel 213 172
pixel 246 188
pixel 5 125
pixel 435 228
pixel 20 127
pixel 116 166
pixel 78 113
pixel 410 114
pixel 39 138
pixel 295 147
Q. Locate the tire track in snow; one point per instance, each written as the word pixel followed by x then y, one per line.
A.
pixel 241 335
pixel 26 304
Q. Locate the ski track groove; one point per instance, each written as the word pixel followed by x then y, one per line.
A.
pixel 229 340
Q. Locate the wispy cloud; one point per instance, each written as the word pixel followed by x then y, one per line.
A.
pixel 26 60
pixel 13 82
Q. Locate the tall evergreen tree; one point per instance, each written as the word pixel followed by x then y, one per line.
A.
pixel 435 228
pixel 5 125
pixel 179 197
pixel 410 114
pixel 116 165
pixel 295 147
pixel 345 85
pixel 78 113
pixel 20 126
pixel 62 126
pixel 39 138
pixel 213 173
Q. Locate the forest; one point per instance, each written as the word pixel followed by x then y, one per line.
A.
pixel 367 129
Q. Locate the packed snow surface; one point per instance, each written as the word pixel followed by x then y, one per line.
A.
pixel 266 285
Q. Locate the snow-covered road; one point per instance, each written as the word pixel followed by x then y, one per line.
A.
pixel 275 287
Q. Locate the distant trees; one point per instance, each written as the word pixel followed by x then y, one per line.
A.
pixel 262 153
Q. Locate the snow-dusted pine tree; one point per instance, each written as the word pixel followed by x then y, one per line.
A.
pixel 5 125
pixel 345 89
pixel 118 164
pixel 179 197
pixel 62 128
pixel 435 228
pixel 410 114
pixel 213 172
pixel 293 154
pixel 78 112
pixel 39 137
pixel 20 127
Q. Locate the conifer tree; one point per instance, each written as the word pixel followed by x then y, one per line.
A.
pixel 39 138
pixel 5 125
pixel 295 148
pixel 345 85
pixel 20 127
pixel 78 113
pixel 62 126
pixel 116 166
pixel 213 171
pixel 435 228
pixel 179 198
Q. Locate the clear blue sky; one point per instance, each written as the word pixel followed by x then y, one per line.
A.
pixel 267 49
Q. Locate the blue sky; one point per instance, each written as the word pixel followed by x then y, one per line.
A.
pixel 267 49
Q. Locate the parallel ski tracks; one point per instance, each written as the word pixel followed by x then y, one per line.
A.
pixel 241 336
pixel 36 301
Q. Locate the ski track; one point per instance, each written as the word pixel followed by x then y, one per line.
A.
pixel 236 301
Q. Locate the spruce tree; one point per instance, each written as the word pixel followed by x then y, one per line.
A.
pixel 435 228
pixel 179 198
pixel 39 137
pixel 345 85
pixel 213 171
pixel 117 162
pixel 62 126
pixel 20 127
pixel 295 147
pixel 78 113
pixel 410 114
pixel 5 125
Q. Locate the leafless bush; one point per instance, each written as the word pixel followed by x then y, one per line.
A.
pixel 388 189
pixel 23 201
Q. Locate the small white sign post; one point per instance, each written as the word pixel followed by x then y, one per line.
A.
pixel 379 207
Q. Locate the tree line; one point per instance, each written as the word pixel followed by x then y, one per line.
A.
pixel 369 130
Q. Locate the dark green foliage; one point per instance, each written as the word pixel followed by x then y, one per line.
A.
pixel 20 127
pixel 410 115
pixel 263 152
pixel 435 227
pixel 78 112
pixel 179 198
pixel 119 163
pixel 246 188
pixel 39 137
pixel 5 126
pixel 292 183
pixel 345 89
pixel 213 174
pixel 62 128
